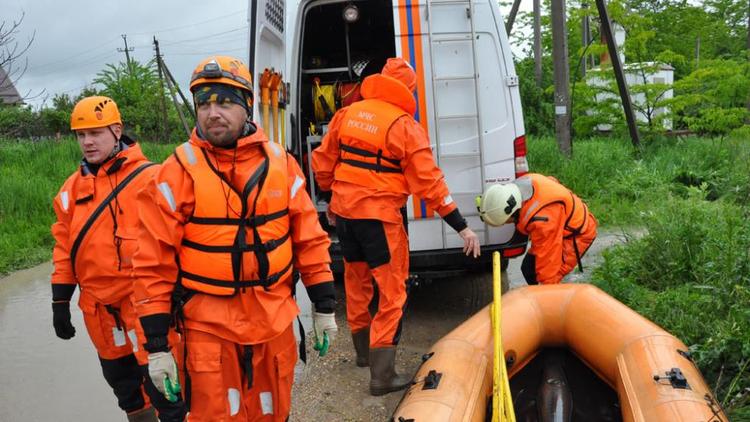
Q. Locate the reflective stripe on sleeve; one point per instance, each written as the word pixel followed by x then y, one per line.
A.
pixel 298 182
pixel 166 191
pixel 64 200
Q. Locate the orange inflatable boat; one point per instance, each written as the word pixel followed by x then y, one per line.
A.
pixel 573 353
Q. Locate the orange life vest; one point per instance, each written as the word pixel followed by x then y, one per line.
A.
pixel 546 191
pixel 222 255
pixel 364 159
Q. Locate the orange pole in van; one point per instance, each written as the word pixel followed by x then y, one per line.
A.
pixel 274 93
pixel 265 97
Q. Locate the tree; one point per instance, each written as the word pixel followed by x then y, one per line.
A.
pixel 11 53
pixel 136 89
pixel 712 99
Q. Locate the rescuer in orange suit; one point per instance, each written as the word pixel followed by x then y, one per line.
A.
pixel 226 223
pixel 559 224
pixel 374 155
pixel 95 238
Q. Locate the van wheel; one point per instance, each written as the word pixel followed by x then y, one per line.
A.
pixel 480 288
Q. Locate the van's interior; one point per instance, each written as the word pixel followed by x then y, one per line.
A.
pixel 336 53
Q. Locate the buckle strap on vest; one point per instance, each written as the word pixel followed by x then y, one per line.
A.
pixel 259 220
pixel 237 284
pixel 369 154
pixel 377 167
pixel 266 246
pixel 254 221
pixel 370 166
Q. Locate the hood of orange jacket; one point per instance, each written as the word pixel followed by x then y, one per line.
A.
pixel 391 90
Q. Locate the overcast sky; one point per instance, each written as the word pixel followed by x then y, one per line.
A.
pixel 76 38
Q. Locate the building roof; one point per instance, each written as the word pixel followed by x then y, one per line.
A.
pixel 8 92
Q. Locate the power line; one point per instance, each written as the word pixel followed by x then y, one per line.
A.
pixel 111 40
pixel 208 52
pixel 189 25
pixel 206 36
pixel 210 44
pixel 90 61
pixel 71 57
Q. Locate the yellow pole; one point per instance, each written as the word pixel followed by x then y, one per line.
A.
pixel 265 99
pixel 282 106
pixel 502 402
pixel 274 90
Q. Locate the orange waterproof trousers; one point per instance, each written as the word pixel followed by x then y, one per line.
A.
pixel 118 338
pixel 234 382
pixel 374 249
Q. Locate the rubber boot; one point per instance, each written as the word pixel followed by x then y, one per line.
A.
pixel 147 414
pixel 383 376
pixel 361 340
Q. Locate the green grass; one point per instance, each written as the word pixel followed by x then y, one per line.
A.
pixel 690 272
pixel 31 173
pixel 622 188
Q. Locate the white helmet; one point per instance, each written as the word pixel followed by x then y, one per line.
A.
pixel 499 203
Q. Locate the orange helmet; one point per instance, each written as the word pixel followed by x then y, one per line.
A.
pixel 223 70
pixel 93 112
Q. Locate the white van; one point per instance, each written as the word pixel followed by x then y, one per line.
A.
pixel 467 96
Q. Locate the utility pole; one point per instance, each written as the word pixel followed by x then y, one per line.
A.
pixel 127 51
pixel 512 16
pixel 537 43
pixel 165 123
pixel 177 88
pixel 585 37
pixel 176 103
pixel 562 77
pixel 627 105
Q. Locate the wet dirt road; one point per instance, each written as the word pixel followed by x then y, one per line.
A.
pixel 43 378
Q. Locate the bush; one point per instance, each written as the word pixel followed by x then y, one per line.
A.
pixel 691 275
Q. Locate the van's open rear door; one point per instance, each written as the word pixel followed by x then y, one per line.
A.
pixel 267 45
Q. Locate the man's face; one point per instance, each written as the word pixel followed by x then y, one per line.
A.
pixel 97 143
pixel 221 124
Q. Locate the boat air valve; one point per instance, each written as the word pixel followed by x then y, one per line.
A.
pixel 675 378
pixel 432 380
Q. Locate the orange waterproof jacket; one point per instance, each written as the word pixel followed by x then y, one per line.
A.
pixel 550 215
pixel 405 143
pixel 103 258
pixel 166 206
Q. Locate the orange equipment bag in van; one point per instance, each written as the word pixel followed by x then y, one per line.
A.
pixel 348 93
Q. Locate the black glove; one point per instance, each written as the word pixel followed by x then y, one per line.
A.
pixel 61 320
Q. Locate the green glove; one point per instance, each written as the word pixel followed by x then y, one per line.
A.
pixel 321 346
pixel 325 329
pixel 162 369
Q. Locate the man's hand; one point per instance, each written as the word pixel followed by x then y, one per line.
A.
pixel 162 369
pixel 471 242
pixel 325 330
pixel 61 320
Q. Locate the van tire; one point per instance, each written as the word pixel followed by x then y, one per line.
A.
pixel 479 288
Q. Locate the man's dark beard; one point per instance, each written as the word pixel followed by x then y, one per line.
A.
pixel 227 140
